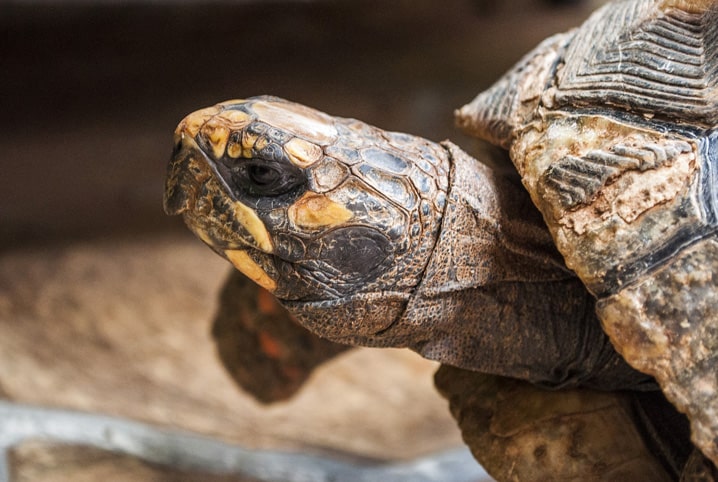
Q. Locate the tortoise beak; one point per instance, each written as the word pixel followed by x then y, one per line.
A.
pixel 180 184
pixel 187 168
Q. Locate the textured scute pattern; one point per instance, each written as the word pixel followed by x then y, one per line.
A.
pixel 678 338
pixel 496 113
pixel 618 152
pixel 578 180
pixel 520 433
pixel 617 223
pixel 607 62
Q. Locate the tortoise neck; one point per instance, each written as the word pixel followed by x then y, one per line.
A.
pixel 491 233
pixel 497 298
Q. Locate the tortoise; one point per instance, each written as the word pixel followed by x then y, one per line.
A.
pixel 379 238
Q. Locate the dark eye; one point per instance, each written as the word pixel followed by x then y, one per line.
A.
pixel 260 177
pixel 263 175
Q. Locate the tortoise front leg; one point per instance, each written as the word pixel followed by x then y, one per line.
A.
pixel 267 353
pixel 519 432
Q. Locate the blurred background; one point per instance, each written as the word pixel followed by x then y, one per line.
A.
pixel 105 302
pixel 92 91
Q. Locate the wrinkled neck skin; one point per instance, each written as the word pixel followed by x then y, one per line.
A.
pixel 495 296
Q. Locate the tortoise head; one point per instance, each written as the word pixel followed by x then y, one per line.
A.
pixel 336 218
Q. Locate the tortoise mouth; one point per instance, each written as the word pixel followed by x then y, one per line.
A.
pixel 252 264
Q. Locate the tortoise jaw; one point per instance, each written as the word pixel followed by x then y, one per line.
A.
pixel 362 318
pixel 193 187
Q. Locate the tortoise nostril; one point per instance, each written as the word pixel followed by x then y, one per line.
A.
pixel 182 175
pixel 177 144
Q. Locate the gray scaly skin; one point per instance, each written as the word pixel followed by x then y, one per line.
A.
pixel 383 239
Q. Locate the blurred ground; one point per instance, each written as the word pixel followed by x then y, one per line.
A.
pixel 105 302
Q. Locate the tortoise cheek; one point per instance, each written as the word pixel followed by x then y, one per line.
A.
pixel 356 254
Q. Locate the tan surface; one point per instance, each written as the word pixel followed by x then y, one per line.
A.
pixel 122 327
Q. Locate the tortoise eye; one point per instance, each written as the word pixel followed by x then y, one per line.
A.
pixel 262 175
pixel 266 178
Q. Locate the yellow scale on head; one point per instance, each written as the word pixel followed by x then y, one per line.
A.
pixel 191 125
pixel 313 211
pixel 217 133
pixel 244 263
pixel 302 153
pixel 297 119
pixel 251 222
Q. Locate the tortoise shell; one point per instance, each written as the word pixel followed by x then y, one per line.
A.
pixel 612 128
